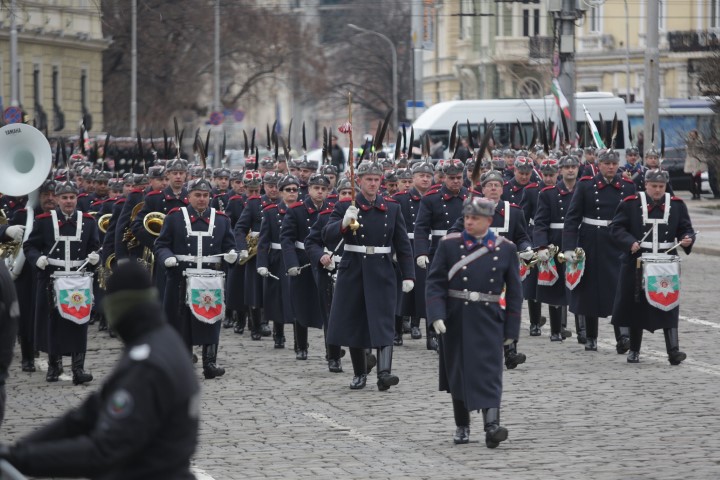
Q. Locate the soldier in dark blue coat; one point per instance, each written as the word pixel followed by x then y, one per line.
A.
pixel 634 170
pixel 464 287
pixel 514 189
pixel 124 250
pixel 236 311
pixel 270 264
pixel 248 225
pixel 303 288
pixel 667 220
pixel 63 239
pixel 362 314
pixel 221 179
pixel 552 204
pixel 195 237
pixel 586 226
pixel 413 302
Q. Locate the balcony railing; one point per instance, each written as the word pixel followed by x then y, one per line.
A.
pixel 541 47
pixel 694 40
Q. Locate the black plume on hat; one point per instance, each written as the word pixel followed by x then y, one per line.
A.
pixel 129 276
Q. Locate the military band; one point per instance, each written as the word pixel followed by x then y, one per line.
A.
pixel 358 252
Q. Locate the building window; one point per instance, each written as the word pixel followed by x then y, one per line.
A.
pixel 596 19
pixel 714 13
pixel 531 22
pixel 529 88
pixel 58 115
pixel 662 12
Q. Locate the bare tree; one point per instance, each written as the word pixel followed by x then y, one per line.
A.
pixel 709 82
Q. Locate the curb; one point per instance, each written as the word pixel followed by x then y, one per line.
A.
pixel 706 250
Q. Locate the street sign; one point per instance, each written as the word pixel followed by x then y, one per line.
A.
pixel 12 115
pixel 216 118
pixel 239 115
pixel 415 104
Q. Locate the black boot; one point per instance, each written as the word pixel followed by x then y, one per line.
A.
pixel 534 309
pixel 431 340
pixel 494 433
pixel 78 369
pixel 54 368
pixel 384 374
pixel 398 338
pixel 462 422
pixel 265 329
pixel 229 321
pixel 672 344
pixel 370 360
pixel 591 324
pixel 333 355
pixel 209 359
pixel 556 324
pixel 580 328
pixel 622 337
pixel 565 332
pixel 635 342
pixel 254 323
pixel 359 363
pixel 27 353
pixel 406 326
pixel 301 343
pixel 415 332
pixel 240 322
pixel 512 357
pixel 279 335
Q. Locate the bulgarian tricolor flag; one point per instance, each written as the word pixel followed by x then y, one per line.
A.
pixel 560 99
pixel 593 129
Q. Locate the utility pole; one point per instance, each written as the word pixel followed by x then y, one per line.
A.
pixel 566 13
pixel 652 73
pixel 216 98
pixel 133 68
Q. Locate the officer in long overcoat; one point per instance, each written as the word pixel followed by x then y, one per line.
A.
pixel 363 309
pixel 667 220
pixel 587 226
pixel 463 291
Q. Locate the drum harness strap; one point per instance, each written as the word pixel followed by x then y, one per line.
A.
pixel 506 226
pixel 655 245
pixel 67 264
pixel 198 259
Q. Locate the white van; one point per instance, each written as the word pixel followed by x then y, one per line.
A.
pixel 439 118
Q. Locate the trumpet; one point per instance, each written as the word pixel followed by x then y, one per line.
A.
pixel 579 254
pixel 104 222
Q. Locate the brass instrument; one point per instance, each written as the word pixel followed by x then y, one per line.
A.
pixel 105 271
pixel 252 243
pixel 128 236
pixel 579 253
pixel 9 248
pixel 103 222
pixel 153 223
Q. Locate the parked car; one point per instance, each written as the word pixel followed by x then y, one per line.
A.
pixel 674 162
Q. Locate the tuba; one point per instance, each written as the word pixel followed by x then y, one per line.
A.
pixel 25 161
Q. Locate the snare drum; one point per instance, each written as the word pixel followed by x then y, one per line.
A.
pixel 205 294
pixel 661 280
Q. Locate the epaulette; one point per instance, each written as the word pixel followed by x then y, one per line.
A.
pixel 630 197
pixel 507 182
pixel 345 200
pixel 84 194
pixel 44 215
pixel 431 192
pixel 254 197
pixel 235 197
pixel 549 187
pixel 515 205
pixel 326 211
pixel 587 177
pixel 176 209
pixel 451 235
pixel 21 210
pixel 296 204
pixel 87 215
pixel 677 198
pixel 533 185
pixel 98 202
pixel 627 180
pixel 137 190
pixel 270 207
pixel 154 192
pixel 390 199
pixel 333 195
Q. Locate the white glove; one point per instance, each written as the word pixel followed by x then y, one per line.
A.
pixel 231 257
pixel 544 255
pixel 171 262
pixel 263 272
pixel 407 285
pixel 15 232
pixel 350 214
pixel 439 326
pixel 570 256
pixel 93 258
pixel 422 261
pixel 293 272
pixel 527 254
pixel 330 266
pixel 244 254
pixel 42 262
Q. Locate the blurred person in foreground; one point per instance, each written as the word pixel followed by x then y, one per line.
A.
pixel 143 422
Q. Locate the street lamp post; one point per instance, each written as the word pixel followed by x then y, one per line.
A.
pixel 394 68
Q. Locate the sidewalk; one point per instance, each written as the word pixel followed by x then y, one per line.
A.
pixel 705 216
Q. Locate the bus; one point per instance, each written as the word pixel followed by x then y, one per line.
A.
pixel 677 117
pixel 438 120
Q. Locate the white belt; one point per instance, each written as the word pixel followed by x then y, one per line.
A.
pixel 254 234
pixel 337 258
pixel 473 296
pixel 557 226
pixel 61 263
pixel 300 245
pixel 659 245
pixel 411 235
pixel 276 246
pixel 190 258
pixel 439 233
pixel 368 250
pixel 596 222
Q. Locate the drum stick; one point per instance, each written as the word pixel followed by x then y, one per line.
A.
pixel 645 236
pixel 678 244
pixel 272 276
pixel 82 267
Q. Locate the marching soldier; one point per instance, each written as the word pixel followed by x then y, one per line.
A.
pixel 464 287
pixel 587 226
pixel 362 313
pixel 93 202
pixel 124 251
pixel 552 204
pixel 514 189
pixel 633 170
pixel 62 241
pixel 193 242
pixel 221 178
pixel 304 296
pixel 650 222
pixel 235 310
pixel 270 264
pixel 590 166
